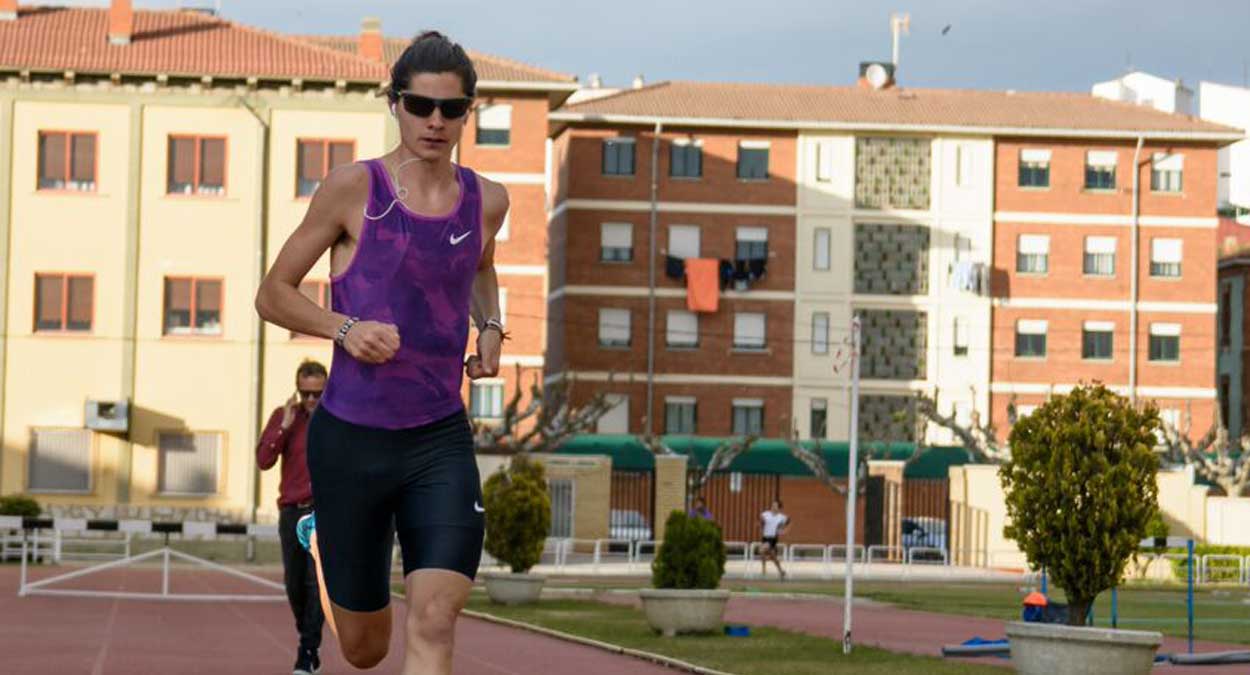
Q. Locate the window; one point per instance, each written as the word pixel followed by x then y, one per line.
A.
pixel 892 172
pixel 752 243
pixel 820 333
pixel 965 165
pixel 494 125
pixel 961 336
pixel 486 400
pixel 1165 258
pixel 1031 339
pixel 618 156
pixel 1099 256
pixel 1023 411
pixel 316 158
pixel 682 329
pixel 680 415
pixel 197 166
pixel 1032 253
pixel 753 160
pixel 683 241
pixel 193 306
pixel 64 302
pixel 820 249
pixel 748 416
pixel 1100 170
pixel 1225 393
pixel 188 463
pixel 616 242
pixel 614 327
pixel 1034 169
pixel 319 292
pixel 819 417
pixel 1165 342
pixel 1226 319
pixel 67 161
pixel 749 331
pixel 60 460
pixel 1096 339
pixel 824 161
pixel 1166 172
pixel 685 158
pixel 616 420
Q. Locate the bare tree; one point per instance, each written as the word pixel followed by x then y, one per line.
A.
pixel 721 458
pixel 1214 457
pixel 554 419
pixel 980 440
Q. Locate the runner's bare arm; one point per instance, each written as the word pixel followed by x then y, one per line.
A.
pixel 279 300
pixel 485 301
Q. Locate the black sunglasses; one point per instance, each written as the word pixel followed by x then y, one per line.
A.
pixel 309 393
pixel 423 106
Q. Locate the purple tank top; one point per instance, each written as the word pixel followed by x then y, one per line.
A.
pixel 415 272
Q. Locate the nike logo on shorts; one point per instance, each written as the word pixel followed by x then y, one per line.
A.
pixel 456 240
pixel 478 507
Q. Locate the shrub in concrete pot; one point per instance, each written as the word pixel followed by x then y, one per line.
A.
pixel 518 519
pixel 1081 492
pixel 686 575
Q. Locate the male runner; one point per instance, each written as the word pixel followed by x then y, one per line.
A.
pixel 411 239
pixel 774 524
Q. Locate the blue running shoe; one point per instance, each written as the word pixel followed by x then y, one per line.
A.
pixel 304 530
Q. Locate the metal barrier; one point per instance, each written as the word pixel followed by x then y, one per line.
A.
pixel 911 555
pixel 638 554
pixel 837 552
pixel 886 550
pixel 1245 568
pixel 1205 568
pixel 801 553
pixel 61 543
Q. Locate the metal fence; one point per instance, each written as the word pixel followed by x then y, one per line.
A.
pixel 632 512
pixel 736 501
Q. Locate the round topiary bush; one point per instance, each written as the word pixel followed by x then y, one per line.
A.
pixel 1081 489
pixel 19 505
pixel 518 514
pixel 692 555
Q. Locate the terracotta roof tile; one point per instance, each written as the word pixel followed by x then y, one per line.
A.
pixel 171 42
pixel 895 106
pixel 489 67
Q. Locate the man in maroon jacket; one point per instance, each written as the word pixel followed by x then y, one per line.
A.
pixel 286 435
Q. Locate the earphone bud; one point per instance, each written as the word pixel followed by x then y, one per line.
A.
pixel 394 113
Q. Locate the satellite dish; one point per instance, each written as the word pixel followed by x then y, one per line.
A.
pixel 877 75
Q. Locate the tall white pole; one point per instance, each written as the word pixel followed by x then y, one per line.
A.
pixel 852 470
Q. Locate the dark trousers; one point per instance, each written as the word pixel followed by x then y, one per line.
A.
pixel 301 580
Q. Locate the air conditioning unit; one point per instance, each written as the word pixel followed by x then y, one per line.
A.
pixel 110 416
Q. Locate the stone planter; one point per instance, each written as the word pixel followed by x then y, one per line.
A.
pixel 672 611
pixel 1048 649
pixel 513 589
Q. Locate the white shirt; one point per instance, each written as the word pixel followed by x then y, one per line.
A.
pixel 773 522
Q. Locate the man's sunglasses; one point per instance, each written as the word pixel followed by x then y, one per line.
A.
pixel 423 106
pixel 308 393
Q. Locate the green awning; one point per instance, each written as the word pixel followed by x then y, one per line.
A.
pixel 767 456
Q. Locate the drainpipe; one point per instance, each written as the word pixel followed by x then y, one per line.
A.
pixel 258 328
pixel 655 194
pixel 1133 272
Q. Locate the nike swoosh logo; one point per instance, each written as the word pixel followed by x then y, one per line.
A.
pixel 456 240
pixel 478 507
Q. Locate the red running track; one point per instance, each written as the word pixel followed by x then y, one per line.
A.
pixel 42 635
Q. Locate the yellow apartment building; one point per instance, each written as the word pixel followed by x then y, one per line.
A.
pixel 152 163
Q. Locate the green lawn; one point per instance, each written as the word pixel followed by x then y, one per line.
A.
pixel 1220 614
pixel 766 651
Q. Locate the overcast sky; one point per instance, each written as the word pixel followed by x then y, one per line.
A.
pixel 993 44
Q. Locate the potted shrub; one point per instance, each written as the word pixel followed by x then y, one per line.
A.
pixel 686 574
pixel 1081 493
pixel 518 519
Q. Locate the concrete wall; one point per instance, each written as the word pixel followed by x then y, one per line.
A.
pixel 1227 518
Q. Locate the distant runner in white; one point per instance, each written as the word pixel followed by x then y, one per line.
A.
pixel 775 524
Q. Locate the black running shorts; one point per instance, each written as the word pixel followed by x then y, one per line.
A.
pixel 369 483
